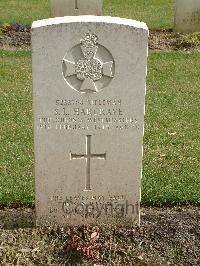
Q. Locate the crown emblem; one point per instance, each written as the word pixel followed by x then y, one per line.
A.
pixel 88 69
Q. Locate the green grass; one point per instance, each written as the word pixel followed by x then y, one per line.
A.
pixel 23 11
pixel 16 163
pixel 171 140
pixel 156 13
pixel 170 173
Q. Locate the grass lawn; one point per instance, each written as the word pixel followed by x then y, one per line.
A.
pixel 16 163
pixel 171 158
pixel 171 137
pixel 156 13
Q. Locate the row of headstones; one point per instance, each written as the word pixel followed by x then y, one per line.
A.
pixel 187 15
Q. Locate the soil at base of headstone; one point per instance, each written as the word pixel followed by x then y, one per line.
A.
pixel 163 40
pixel 167 236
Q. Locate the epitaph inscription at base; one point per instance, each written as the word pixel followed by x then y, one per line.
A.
pixel 187 16
pixel 88 92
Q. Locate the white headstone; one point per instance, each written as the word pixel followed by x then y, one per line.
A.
pixel 187 16
pixel 88 92
pixel 61 8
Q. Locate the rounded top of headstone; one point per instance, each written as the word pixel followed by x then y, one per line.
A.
pixel 92 19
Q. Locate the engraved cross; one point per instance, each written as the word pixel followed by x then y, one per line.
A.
pixel 76 4
pixel 88 156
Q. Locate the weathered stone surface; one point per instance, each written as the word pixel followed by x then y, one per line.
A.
pixel 187 16
pixel 88 91
pixel 60 8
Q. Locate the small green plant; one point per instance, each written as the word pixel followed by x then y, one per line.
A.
pixel 193 38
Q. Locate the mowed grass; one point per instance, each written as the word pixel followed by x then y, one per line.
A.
pixel 158 14
pixel 16 138
pixel 172 143
pixel 23 11
pixel 170 174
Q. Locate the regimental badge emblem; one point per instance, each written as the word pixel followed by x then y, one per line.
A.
pixel 88 67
